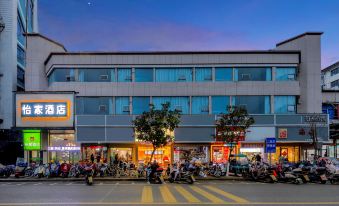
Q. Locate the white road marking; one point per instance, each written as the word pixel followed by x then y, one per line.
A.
pixel 53 184
pixel 37 183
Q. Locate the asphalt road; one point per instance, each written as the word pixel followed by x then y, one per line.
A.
pixel 140 193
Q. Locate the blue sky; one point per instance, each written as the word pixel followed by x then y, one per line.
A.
pixel 138 25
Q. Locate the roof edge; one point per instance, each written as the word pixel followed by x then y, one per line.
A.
pixel 330 67
pixel 297 37
pixel 46 38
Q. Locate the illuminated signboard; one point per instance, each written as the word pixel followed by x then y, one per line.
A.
pixel 67 148
pixel 32 139
pixel 44 110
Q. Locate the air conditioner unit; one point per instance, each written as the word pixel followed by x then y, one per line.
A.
pixel 178 108
pixel 102 108
pixel 125 108
pixel 208 77
pixel 204 109
pixel 245 76
pixel 70 78
pixel 182 77
pixel 291 108
pixel 103 77
pixel 291 76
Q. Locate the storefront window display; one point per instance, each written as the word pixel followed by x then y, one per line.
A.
pixel 121 154
pixel 287 153
pixel 98 152
pixel 182 153
pixel 161 155
pixel 220 152
pixel 63 148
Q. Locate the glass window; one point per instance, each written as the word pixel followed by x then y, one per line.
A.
pixel 20 31
pixel 285 74
pixel 62 75
pixel 285 105
pixel 335 84
pixel 253 74
pixel 21 56
pixel 30 16
pixel 173 74
pixel 254 104
pixel 20 77
pixel 144 75
pixel 23 6
pixel 176 103
pixel 220 104
pixel 96 75
pixel 124 75
pixel 203 74
pixel 200 105
pixel 94 105
pixel 334 71
pixel 140 105
pixel 122 105
pixel 223 74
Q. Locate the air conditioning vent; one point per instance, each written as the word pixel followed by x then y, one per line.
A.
pixel 102 108
pixel 182 78
pixel 125 108
pixel 290 108
pixel 204 109
pixel 246 77
pixel 70 78
pixel 103 77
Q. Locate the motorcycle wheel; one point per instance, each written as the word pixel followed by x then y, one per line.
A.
pixel 332 181
pixel 16 175
pixel 40 175
pixel 171 180
pixel 189 180
pixel 323 181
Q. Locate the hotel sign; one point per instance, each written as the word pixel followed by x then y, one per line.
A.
pixel 44 110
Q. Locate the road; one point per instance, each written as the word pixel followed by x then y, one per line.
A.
pixel 140 193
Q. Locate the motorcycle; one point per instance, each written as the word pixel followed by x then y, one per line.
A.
pixel 317 174
pixel 286 174
pixel 89 172
pixel 262 172
pixel 22 169
pixel 54 170
pixel 64 169
pixel 40 171
pixel 186 176
pixel 6 171
pixel 157 177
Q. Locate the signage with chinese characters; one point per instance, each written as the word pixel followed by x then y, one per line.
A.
pixel 315 118
pixel 282 133
pixel 270 145
pixel 44 110
pixel 63 148
pixel 32 139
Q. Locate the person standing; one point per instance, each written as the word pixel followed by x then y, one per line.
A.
pixel 92 158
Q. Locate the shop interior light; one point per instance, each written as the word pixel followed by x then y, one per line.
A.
pixel 250 150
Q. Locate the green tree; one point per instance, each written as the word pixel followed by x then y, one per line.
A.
pixel 232 126
pixel 157 126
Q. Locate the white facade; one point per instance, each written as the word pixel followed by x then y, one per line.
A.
pixel 330 77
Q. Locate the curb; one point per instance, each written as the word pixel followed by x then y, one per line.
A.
pixel 103 179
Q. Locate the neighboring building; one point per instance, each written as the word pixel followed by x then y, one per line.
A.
pixel 19 17
pixel 279 88
pixel 330 77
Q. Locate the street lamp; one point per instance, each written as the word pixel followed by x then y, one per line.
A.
pixel 2 25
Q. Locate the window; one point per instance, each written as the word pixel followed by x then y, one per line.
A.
pixel 285 74
pixel 20 77
pixel 173 74
pixel 176 103
pixel 220 104
pixel 96 75
pixel 94 105
pixel 23 6
pixel 144 75
pixel 124 75
pixel 223 74
pixel 335 84
pixel 62 75
pixel 285 105
pixel 254 104
pixel 203 74
pixel 253 74
pixel 20 32
pixel 140 105
pixel 122 105
pixel 335 71
pixel 21 56
pixel 200 105
pixel 30 16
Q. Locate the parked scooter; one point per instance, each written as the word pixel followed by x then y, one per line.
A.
pixel 317 174
pixel 22 169
pixel 6 171
pixel 262 172
pixel 186 176
pixel 89 172
pixel 64 169
pixel 286 174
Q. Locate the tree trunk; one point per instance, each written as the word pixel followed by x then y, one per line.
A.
pixel 228 161
pixel 154 148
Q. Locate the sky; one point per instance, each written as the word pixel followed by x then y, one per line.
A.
pixel 188 25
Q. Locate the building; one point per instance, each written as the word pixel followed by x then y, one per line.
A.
pixel 330 77
pixel 106 90
pixel 19 17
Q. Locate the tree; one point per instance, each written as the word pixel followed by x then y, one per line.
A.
pixel 314 121
pixel 231 127
pixel 157 126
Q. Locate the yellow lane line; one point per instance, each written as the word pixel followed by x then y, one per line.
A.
pixel 186 194
pixel 164 203
pixel 208 195
pixel 237 199
pixel 147 195
pixel 166 194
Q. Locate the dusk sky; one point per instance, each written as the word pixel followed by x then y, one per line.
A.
pixel 172 25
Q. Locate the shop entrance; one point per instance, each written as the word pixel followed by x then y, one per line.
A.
pixel 121 154
pixel 161 155
pixel 99 153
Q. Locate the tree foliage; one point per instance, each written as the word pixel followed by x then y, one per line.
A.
pixel 157 126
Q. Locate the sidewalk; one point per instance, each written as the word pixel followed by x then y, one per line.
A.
pixel 72 179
